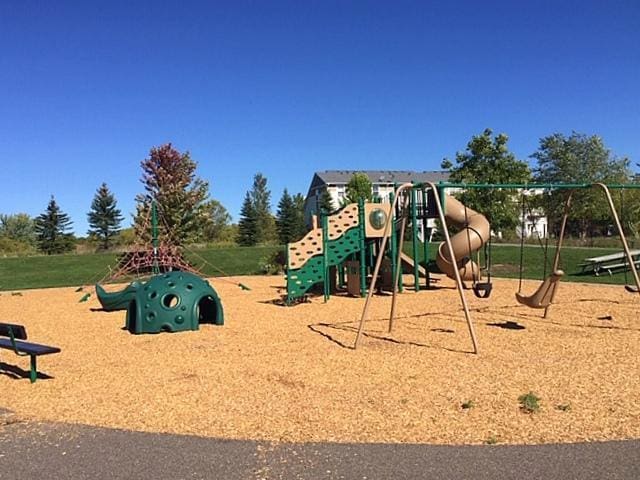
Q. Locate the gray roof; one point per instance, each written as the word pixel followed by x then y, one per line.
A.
pixel 383 176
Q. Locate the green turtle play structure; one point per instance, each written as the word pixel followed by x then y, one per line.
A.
pixel 114 301
pixel 175 298
pixel 173 302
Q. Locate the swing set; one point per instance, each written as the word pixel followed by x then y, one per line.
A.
pixel 543 296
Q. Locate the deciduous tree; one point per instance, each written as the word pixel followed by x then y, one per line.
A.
pixel 169 178
pixel 580 158
pixel 217 220
pixel 359 187
pixel 487 159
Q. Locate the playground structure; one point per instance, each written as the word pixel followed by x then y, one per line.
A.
pixel 175 298
pixel 174 301
pixel 341 252
pixel 544 294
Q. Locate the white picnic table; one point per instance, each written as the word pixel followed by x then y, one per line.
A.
pixel 609 262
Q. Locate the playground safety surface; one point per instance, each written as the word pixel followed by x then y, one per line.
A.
pixel 273 373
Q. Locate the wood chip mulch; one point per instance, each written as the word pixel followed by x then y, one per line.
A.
pixel 289 373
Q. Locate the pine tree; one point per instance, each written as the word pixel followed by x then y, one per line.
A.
pixel 104 218
pixel 169 178
pixel 286 219
pixel 326 205
pixel 51 230
pixel 261 199
pixel 300 228
pixel 248 224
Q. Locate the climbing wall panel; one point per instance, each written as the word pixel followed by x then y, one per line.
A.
pixel 301 251
pixel 300 280
pixel 343 220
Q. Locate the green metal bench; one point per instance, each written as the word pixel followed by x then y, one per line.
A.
pixel 14 336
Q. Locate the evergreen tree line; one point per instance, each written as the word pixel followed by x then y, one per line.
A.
pixel 189 215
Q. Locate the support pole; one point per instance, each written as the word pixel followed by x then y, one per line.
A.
pixel 324 219
pixel 394 239
pixel 414 239
pixel 363 252
pixel 425 243
pixel 376 269
pixel 623 239
pixel 452 256
pixel 154 237
pixel 403 226
pixel 556 257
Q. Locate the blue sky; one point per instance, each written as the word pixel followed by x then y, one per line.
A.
pixel 288 88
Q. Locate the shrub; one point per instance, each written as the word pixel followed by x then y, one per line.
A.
pixel 273 264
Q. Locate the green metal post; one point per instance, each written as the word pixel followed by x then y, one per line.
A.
pixel 394 247
pixel 363 253
pixel 33 374
pixel 286 257
pixel 341 280
pixel 325 256
pixel 414 239
pixel 392 240
pixel 443 195
pixel 425 243
pixel 154 237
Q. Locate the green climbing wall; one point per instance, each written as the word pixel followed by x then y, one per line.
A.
pixel 300 280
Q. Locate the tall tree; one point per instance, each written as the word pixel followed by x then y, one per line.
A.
pixel 248 224
pixel 217 221
pixel 169 178
pixel 579 158
pixel 487 159
pixel 359 187
pixel 326 205
pixel 52 230
pixel 286 219
pixel 298 206
pixel 261 197
pixel 104 217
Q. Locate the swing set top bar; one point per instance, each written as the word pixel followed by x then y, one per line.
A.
pixel 558 186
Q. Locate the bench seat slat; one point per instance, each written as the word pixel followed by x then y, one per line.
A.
pixel 30 348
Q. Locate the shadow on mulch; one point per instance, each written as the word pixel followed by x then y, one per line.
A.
pixel 508 325
pixel 345 328
pixel 14 372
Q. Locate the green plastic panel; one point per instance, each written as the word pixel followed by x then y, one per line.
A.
pixel 300 280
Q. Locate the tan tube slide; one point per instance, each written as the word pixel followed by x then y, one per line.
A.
pixel 474 234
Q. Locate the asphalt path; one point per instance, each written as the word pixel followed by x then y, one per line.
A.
pixel 77 452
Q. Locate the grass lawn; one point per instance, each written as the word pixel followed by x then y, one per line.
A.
pixel 74 270
pixel 506 261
